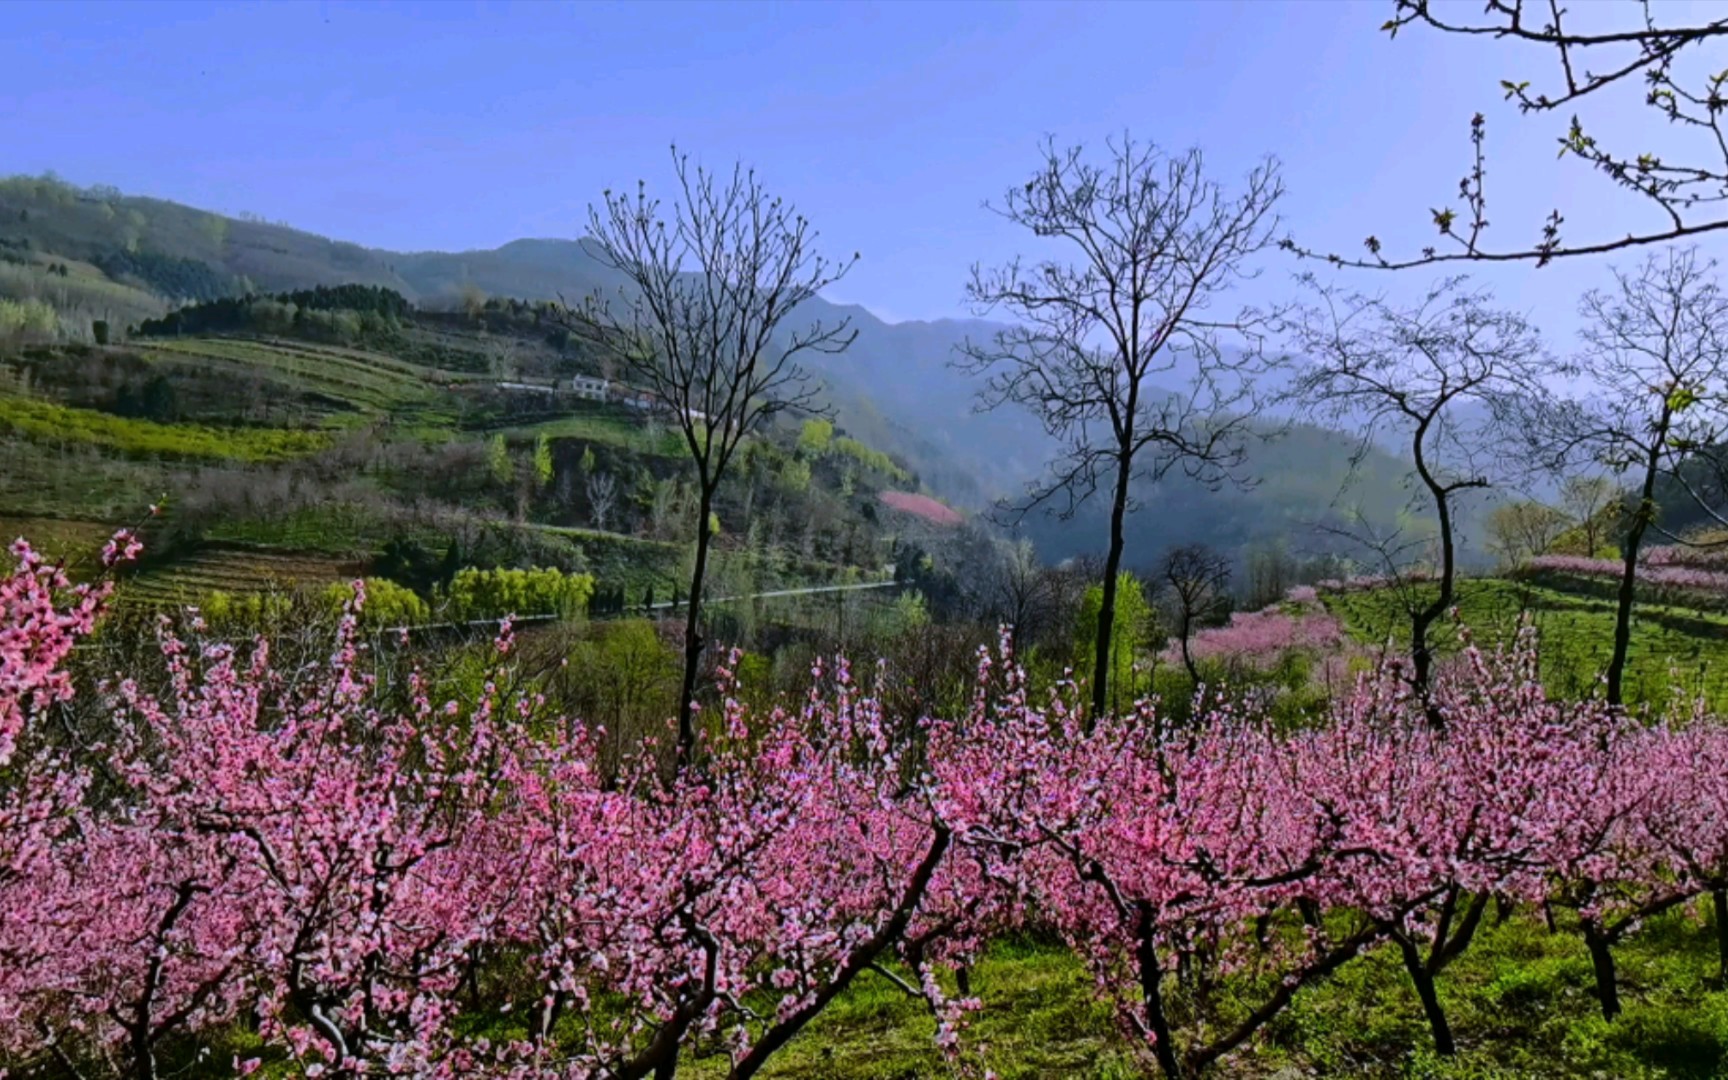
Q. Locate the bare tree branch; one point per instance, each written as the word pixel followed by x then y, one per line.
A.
pixel 704 319
pixel 1154 244
pixel 1376 367
pixel 1687 196
pixel 1657 349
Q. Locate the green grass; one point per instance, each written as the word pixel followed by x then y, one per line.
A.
pixel 1671 646
pixel 608 427
pixel 1520 1002
pixel 46 422
pixel 371 383
pixel 76 481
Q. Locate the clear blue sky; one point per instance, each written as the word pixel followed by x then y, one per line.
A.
pixel 462 124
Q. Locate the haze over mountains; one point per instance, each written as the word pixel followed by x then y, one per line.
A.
pixel 894 388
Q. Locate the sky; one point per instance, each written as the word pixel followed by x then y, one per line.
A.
pixel 460 124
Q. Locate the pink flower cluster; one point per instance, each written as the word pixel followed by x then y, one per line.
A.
pixel 358 873
pixel 1259 639
pixel 1667 573
pixel 1368 582
pixel 1711 558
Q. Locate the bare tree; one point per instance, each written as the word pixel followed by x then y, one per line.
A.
pixel 1588 499
pixel 1153 243
pixel 1657 347
pixel 1026 594
pixel 1520 531
pixel 700 319
pixel 1197 580
pixel 1640 51
pixel 1450 376
pixel 602 496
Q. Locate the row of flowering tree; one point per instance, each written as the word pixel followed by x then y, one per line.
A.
pixel 370 882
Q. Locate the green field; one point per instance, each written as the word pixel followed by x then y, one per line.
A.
pixel 372 384
pixel 1520 1002
pixel 1671 646
pixel 609 427
pixel 53 424
pixel 233 570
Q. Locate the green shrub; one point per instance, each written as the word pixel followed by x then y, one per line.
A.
pixel 387 603
pixel 486 594
pixel 27 318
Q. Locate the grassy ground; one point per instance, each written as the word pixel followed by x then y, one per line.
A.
pixel 54 424
pixel 1520 1001
pixel 611 427
pixel 1670 645
pixel 1521 1004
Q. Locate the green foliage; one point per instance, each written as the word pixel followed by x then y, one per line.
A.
pixel 626 680
pixel 1130 633
pixel 498 464
pixel 543 461
pixel 27 318
pixel 483 594
pixel 1675 650
pixel 345 312
pixel 50 423
pixel 794 477
pixel 221 609
pixel 908 614
pixel 387 603
pixel 172 276
pixel 869 458
pixel 815 437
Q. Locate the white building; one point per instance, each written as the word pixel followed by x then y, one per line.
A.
pixel 589 386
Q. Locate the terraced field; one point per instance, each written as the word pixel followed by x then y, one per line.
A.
pixel 233 570
pixel 372 383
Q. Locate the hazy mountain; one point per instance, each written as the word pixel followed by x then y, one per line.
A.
pixel 895 388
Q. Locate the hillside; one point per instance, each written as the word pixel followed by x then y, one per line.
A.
pixel 334 432
pixel 95 254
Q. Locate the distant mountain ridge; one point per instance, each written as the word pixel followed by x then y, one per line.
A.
pixel 895 388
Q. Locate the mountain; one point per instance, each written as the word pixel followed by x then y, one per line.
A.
pixel 124 258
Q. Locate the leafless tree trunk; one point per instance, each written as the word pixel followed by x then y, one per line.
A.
pixel 1373 366
pixel 1587 499
pixel 701 320
pixel 1657 348
pixel 1154 243
pixel 602 494
pixel 1198 578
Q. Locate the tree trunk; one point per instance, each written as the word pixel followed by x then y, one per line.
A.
pixel 1602 961
pixel 1719 901
pixel 1421 656
pixel 1152 997
pixel 1424 983
pixel 692 631
pixel 1629 567
pixel 1107 606
pixel 1503 908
